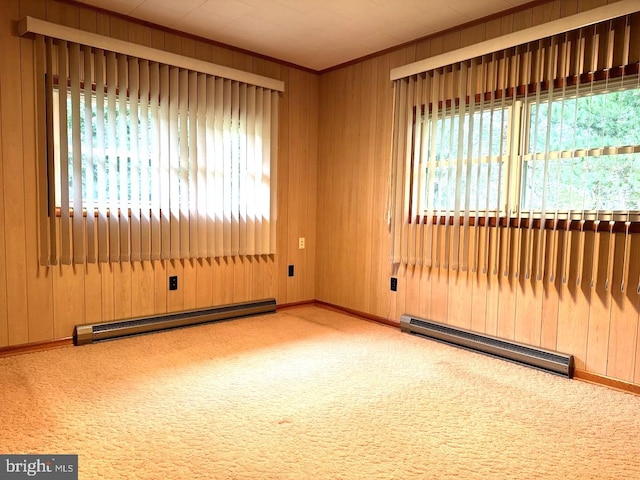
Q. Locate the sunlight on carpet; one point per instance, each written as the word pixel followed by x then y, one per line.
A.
pixel 309 393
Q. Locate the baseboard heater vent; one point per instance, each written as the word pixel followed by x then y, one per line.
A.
pixel 84 334
pixel 540 358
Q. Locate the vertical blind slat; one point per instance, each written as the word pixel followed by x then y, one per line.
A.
pixel 201 170
pixel 156 161
pixel 42 117
pixel 227 188
pixel 210 165
pixel 112 154
pixel 165 160
pixel 183 164
pixel 51 173
pixel 219 169
pixel 134 149
pixel 173 172
pixel 65 223
pixel 192 219
pixel 267 231
pixel 101 153
pixel 242 173
pixel 123 158
pixel 87 150
pixel 253 181
pixel 272 179
pixel 260 220
pixel 234 167
pixel 78 221
pixel 145 167
pixel 469 164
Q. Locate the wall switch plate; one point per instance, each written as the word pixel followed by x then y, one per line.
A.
pixel 173 282
pixel 301 243
pixel 291 270
pixel 394 284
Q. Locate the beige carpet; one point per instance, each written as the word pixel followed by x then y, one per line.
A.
pixel 310 394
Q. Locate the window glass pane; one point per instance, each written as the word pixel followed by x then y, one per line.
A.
pixel 444 184
pixel 485 138
pixel 591 121
pixel 606 182
pixel 589 180
pixel 490 134
pixel 124 157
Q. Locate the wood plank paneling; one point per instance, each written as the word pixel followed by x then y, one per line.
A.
pixel 106 292
pixel 142 289
pixel 347 174
pixel 295 178
pixel 4 324
pixel 311 215
pixel 92 294
pixel 13 175
pixel 624 319
pixel 68 294
pixel 122 286
pixel 190 284
pixel 161 284
pixel 599 317
pixel 528 310
pixel 364 193
pixel 461 304
pixel 204 292
pixel 479 290
pixel 284 184
pixel 325 159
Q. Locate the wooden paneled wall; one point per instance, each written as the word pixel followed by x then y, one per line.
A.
pixel 40 304
pixel 598 326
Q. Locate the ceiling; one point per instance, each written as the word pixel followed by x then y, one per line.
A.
pixel 316 34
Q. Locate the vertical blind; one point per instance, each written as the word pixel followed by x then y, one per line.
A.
pixel 149 161
pixel 495 141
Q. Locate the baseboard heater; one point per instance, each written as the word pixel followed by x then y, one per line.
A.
pixel 550 361
pixel 84 334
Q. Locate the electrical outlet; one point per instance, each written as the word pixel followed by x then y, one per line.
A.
pixel 394 284
pixel 173 282
pixel 301 243
pixel 291 270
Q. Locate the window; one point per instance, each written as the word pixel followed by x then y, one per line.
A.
pixel 592 143
pixel 485 143
pixel 496 152
pixel 581 155
pixel 149 160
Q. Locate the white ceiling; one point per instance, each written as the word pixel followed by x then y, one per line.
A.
pixel 316 34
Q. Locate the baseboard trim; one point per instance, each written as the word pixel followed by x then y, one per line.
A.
pixel 383 321
pixel 35 347
pixel 284 306
pixel 605 381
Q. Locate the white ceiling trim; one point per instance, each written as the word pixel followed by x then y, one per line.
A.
pixel 61 32
pixel 590 17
